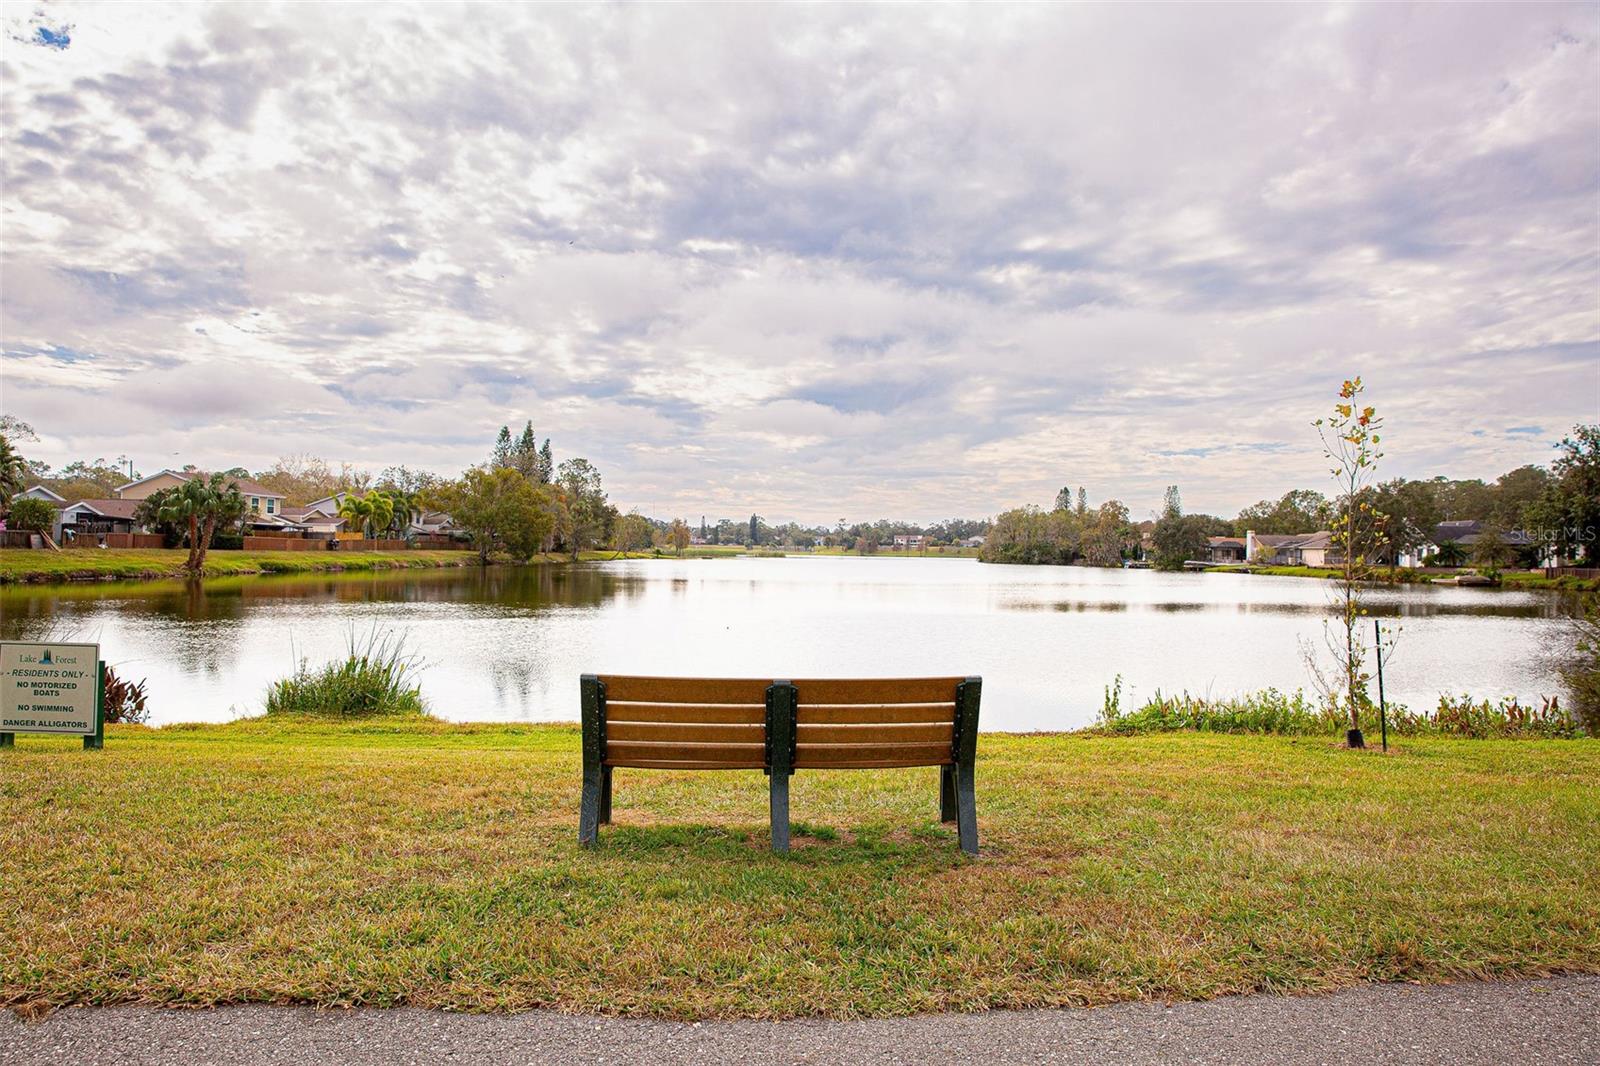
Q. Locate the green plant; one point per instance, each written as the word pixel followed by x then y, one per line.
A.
pixel 34 516
pixel 1459 716
pixel 13 473
pixel 1582 673
pixel 377 677
pixel 203 505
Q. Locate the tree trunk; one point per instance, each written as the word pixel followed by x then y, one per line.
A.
pixel 194 541
pixel 205 542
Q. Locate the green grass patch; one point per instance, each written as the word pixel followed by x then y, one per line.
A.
pixel 394 861
pixel 19 565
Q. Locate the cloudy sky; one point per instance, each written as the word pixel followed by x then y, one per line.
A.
pixel 815 262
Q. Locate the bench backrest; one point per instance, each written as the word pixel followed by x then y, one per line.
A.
pixel 733 723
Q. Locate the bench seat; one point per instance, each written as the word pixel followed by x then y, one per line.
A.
pixel 779 727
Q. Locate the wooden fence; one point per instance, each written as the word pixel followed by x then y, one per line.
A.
pixel 345 545
pixel 118 540
pixel 1588 573
pixel 442 543
pixel 285 544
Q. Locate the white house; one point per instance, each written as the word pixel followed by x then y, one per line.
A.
pixel 56 500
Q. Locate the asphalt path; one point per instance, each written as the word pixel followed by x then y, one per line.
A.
pixel 1514 1022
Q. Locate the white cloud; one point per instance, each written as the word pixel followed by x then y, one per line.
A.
pixel 806 261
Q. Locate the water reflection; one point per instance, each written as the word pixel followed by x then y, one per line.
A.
pixel 509 643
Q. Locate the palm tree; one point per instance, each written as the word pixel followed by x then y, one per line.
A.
pixel 356 509
pixel 185 506
pixel 13 474
pixel 381 513
pixel 201 504
pixel 406 506
pixel 374 511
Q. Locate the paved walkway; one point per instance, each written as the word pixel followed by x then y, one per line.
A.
pixel 1522 1023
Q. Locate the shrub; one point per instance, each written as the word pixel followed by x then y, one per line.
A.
pixel 1582 673
pixel 34 516
pixel 1268 711
pixel 1271 711
pixel 123 701
pixel 227 541
pixel 1459 716
pixel 377 677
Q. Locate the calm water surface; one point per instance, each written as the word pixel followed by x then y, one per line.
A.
pixel 509 644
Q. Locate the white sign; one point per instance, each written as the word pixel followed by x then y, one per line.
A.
pixel 48 688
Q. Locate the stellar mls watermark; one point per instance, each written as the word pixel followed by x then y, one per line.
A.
pixel 1556 534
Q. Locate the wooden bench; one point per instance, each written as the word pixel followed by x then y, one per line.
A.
pixel 684 723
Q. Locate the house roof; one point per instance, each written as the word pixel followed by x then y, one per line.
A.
pixel 1467 532
pixel 105 508
pixel 1217 542
pixel 246 486
pixel 39 492
pixel 1320 539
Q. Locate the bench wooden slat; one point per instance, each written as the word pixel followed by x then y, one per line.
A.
pixel 710 713
pixel 630 752
pixel 874 764
pixel 878 690
pixel 876 733
pixel 815 755
pixel 687 733
pixel 682 764
pixel 686 689
pixel 872 713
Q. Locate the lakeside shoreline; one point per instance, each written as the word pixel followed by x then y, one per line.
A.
pixel 78 566
pixel 28 566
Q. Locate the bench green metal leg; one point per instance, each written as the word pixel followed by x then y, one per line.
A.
pixel 965 749
pixel 589 812
pixel 967 810
pixel 947 793
pixel 595 806
pixel 778 791
pixel 782 701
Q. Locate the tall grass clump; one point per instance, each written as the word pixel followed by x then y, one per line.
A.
pixel 376 678
pixel 1267 711
pixel 1292 714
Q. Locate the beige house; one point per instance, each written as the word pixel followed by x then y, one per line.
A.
pixel 260 499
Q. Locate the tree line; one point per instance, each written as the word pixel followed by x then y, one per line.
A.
pixel 1552 508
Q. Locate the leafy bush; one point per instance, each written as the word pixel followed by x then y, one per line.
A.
pixel 123 701
pixel 376 678
pixel 1271 711
pixel 1459 716
pixel 1268 711
pixel 1582 673
pixel 227 541
pixel 34 516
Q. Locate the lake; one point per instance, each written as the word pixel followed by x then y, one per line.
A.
pixel 508 644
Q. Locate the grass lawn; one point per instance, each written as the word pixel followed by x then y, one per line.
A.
pixel 90 564
pixel 437 865
pixel 1518 579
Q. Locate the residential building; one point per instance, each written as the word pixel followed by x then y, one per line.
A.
pixel 1453 543
pixel 265 506
pixel 1224 550
pixel 54 499
pixel 909 542
pixel 1291 549
pixel 89 518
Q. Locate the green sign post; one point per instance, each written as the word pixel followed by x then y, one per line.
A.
pixel 52 688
